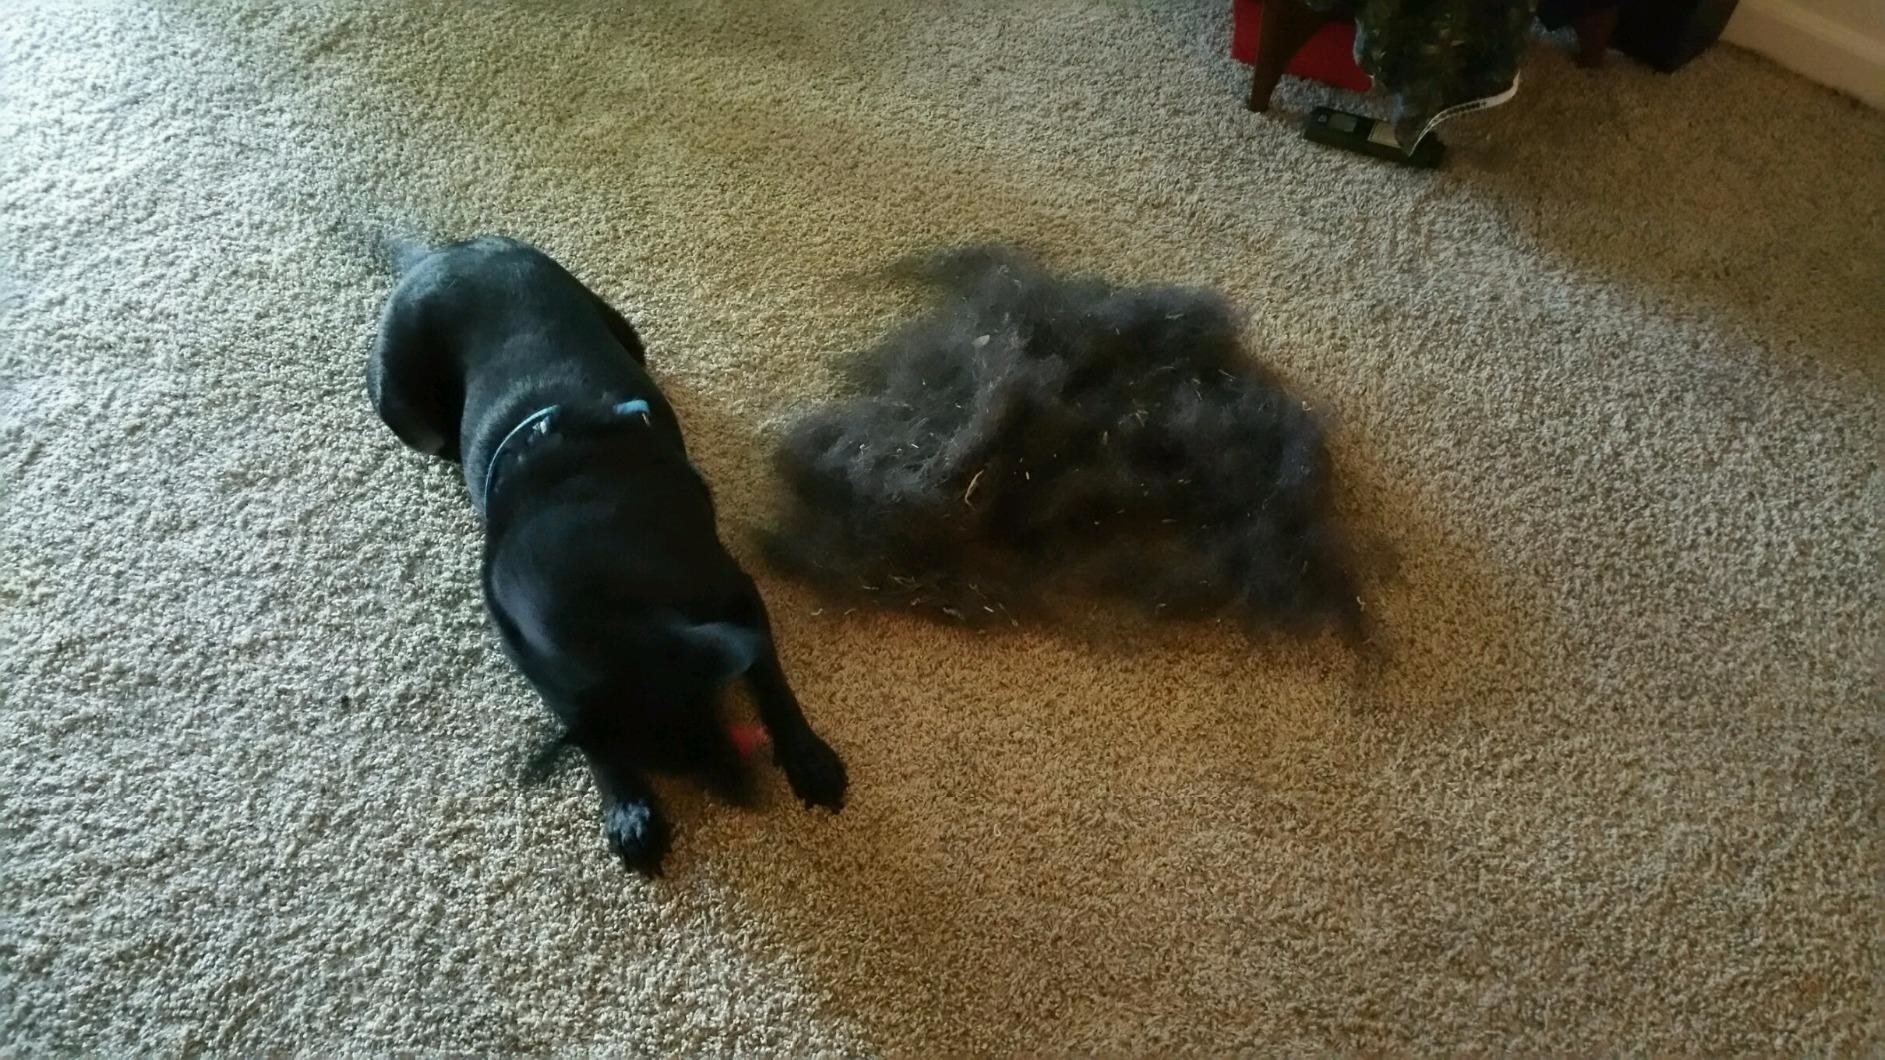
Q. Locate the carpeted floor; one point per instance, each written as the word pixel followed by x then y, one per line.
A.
pixel 1611 387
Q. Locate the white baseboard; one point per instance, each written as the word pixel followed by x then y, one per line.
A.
pixel 1810 44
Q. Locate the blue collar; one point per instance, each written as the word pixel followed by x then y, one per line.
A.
pixel 540 422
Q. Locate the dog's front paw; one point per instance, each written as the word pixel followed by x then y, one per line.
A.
pixel 638 835
pixel 814 770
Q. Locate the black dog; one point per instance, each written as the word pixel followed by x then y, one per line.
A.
pixel 603 569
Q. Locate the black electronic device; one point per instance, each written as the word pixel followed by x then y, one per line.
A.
pixel 1370 136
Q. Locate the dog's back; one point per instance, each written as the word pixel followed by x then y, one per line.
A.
pixel 478 334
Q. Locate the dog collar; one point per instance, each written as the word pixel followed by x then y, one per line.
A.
pixel 538 424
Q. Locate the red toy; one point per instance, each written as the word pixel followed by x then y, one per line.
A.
pixel 747 738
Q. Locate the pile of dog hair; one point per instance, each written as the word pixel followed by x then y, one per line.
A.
pixel 1034 440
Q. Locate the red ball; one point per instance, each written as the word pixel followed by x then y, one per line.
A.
pixel 747 738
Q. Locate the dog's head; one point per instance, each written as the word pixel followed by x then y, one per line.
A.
pixel 647 691
pixel 668 714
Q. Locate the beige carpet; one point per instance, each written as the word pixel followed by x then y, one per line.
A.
pixel 1612 387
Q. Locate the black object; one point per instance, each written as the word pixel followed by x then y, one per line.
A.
pixel 1668 33
pixel 604 571
pixel 1369 136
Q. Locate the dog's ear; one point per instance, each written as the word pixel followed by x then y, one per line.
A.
pixel 724 650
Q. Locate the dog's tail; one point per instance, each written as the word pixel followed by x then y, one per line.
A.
pixel 393 246
pixel 399 250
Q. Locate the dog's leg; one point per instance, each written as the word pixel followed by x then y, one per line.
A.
pixel 410 387
pixel 619 327
pixel 631 821
pixel 814 770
